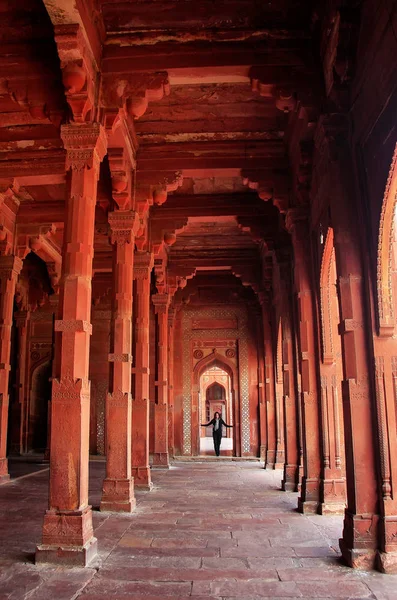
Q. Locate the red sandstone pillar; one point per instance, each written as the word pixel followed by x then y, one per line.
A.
pixel 171 316
pixel 270 392
pixel 118 487
pixel 18 432
pixel 160 455
pixel 261 392
pixel 297 224
pixel 67 531
pixel 290 480
pixel 361 524
pixel 140 403
pixel 10 267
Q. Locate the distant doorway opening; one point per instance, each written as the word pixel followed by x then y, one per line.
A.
pixel 215 395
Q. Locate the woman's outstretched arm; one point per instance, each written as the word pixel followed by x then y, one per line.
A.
pixel 207 424
pixel 225 424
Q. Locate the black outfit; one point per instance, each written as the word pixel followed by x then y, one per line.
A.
pixel 217 433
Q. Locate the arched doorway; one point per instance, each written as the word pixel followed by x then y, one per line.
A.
pixel 38 410
pixel 224 372
pixel 215 396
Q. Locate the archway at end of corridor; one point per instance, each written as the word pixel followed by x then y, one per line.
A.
pixel 215 395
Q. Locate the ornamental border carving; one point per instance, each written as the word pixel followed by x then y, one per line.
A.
pixel 386 313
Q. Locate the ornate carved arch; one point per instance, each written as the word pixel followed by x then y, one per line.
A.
pixel 218 360
pixel 328 259
pixel 386 313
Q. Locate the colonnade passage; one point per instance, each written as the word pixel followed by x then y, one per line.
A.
pixel 197 215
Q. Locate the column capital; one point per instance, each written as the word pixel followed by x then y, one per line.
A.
pixel 123 226
pixel 85 145
pixel 296 216
pixel 143 264
pixel 161 303
pixel 10 265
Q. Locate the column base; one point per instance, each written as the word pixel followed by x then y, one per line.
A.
pixel 307 507
pixel 68 538
pixel 358 558
pixel 333 495
pixel 66 556
pixel 270 459
pixel 279 459
pixel 331 508
pixel 386 562
pixel 4 474
pixel 262 453
pixel 308 501
pixel 278 466
pixel 161 460
pixel 142 479
pixel 118 495
pixel 4 478
pixel 289 482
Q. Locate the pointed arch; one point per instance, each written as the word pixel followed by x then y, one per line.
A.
pixel 386 313
pixel 217 360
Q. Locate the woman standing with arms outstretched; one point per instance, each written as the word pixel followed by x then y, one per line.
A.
pixel 217 422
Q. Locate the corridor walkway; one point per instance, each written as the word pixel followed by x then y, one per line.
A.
pixel 214 530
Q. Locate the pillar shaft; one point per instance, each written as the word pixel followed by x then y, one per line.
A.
pixel 270 392
pixel 291 467
pixel 67 530
pixel 141 371
pixel 160 455
pixel 10 267
pixel 118 487
pixel 171 316
pixel 18 430
pixel 308 357
pixel 361 523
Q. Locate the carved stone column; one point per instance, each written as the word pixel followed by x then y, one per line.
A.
pixel 160 455
pixel 143 266
pixel 261 390
pixel 118 487
pixel 171 316
pixel 297 224
pixel 290 480
pixel 270 391
pixel 20 418
pixel 67 531
pixel 10 267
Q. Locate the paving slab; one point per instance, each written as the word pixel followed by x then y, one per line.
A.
pixel 207 531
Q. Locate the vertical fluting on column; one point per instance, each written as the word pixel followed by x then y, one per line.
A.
pixel 297 224
pixel 140 403
pixel 160 454
pixel 67 531
pixel 10 267
pixel 270 391
pixel 118 486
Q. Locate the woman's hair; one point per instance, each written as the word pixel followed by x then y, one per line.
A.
pixel 217 413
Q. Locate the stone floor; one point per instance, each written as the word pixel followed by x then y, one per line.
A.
pixel 210 530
